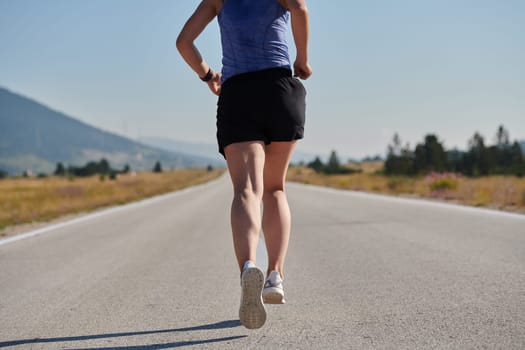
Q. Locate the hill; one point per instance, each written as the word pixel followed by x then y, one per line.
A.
pixel 207 150
pixel 35 137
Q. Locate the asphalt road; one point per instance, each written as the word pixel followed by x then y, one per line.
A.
pixel 363 272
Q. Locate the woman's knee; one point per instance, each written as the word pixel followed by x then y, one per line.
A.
pixel 248 194
pixel 273 183
pixel 274 193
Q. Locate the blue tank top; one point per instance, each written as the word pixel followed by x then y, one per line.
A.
pixel 253 36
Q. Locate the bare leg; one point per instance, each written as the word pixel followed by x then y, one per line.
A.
pixel 245 164
pixel 276 220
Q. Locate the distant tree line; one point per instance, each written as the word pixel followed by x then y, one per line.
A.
pixel 502 158
pixel 101 167
pixel 332 167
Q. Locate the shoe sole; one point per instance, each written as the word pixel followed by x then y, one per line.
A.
pixel 273 296
pixel 252 312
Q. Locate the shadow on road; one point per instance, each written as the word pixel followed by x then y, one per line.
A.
pixel 217 325
pixel 165 346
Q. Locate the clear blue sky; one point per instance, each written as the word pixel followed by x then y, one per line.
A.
pixel 450 67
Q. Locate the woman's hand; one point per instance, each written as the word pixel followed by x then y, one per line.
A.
pixel 302 70
pixel 204 14
pixel 300 30
pixel 215 83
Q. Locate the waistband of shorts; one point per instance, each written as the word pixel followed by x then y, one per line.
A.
pixel 264 74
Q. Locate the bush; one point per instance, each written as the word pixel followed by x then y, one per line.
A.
pixel 443 184
pixel 3 174
pixel 394 183
pixel 442 181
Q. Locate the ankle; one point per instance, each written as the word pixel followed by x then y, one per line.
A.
pixel 248 264
pixel 279 272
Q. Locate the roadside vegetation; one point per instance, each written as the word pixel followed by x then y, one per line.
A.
pixel 498 192
pixel 484 176
pixel 41 198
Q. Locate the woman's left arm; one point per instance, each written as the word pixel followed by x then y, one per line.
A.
pixel 203 15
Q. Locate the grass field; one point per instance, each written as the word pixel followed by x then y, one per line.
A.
pixel 24 200
pixel 497 192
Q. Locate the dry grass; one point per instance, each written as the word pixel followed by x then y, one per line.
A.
pixel 499 192
pixel 32 199
pixel 367 167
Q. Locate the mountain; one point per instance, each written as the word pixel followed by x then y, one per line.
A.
pixel 36 137
pixel 522 144
pixel 207 150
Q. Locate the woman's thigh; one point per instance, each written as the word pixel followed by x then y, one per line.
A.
pixel 246 165
pixel 278 155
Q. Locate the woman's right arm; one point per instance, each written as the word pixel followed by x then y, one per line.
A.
pixel 300 30
pixel 203 15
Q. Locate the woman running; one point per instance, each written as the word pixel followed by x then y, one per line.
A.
pixel 260 116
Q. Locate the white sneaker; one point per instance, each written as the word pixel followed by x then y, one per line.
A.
pixel 252 312
pixel 273 292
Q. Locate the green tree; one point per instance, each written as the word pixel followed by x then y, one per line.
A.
pixel 333 166
pixel 430 156
pixel 455 159
pixel 316 165
pixel 501 155
pixel 518 159
pixel 60 170
pixel 157 168
pixel 399 160
pixel 502 137
pixel 394 149
pixel 103 167
pixel 477 156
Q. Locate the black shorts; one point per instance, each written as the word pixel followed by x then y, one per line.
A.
pixel 267 105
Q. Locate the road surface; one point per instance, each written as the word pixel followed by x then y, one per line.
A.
pixel 363 272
